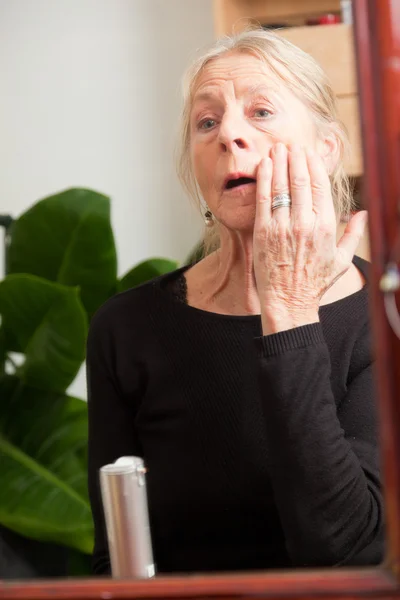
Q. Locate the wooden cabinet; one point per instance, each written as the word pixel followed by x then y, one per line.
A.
pixel 332 47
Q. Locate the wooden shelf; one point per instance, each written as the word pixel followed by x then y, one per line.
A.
pixel 332 47
pixel 232 16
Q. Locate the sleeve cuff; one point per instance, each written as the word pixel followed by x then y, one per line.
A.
pixel 291 339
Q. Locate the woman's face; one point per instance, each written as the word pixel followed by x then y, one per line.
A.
pixel 240 110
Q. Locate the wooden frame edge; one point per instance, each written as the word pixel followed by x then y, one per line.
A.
pixel 372 27
pixel 343 583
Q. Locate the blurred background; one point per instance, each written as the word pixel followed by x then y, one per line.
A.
pixel 90 98
pixel 89 109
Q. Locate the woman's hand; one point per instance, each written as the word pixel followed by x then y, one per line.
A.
pixel 296 257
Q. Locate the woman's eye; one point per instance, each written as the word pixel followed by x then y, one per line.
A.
pixel 207 124
pixel 262 113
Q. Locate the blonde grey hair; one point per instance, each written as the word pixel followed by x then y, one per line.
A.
pixel 306 79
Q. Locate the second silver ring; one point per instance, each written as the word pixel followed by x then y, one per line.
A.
pixel 281 200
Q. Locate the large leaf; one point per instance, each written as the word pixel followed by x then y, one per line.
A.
pixel 47 425
pixel 43 491
pixel 67 238
pixel 47 322
pixel 37 504
pixel 145 271
pixel 3 351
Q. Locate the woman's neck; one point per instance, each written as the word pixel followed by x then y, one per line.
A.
pixel 224 281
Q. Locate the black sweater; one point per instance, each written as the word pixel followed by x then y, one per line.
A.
pixel 261 452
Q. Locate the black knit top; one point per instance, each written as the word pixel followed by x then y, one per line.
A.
pixel 262 452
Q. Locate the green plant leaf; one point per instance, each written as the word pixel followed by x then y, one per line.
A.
pixel 43 493
pixel 145 271
pixel 47 425
pixel 3 351
pixel 35 503
pixel 67 238
pixel 47 322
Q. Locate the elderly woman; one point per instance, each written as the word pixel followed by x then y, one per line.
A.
pixel 245 380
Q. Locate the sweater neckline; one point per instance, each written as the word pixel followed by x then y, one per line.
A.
pixel 160 282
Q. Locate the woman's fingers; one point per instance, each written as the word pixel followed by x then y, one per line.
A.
pixel 303 175
pixel 263 194
pixel 351 237
pixel 320 188
pixel 280 180
pixel 300 186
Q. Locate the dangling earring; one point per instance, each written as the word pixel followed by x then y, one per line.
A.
pixel 208 217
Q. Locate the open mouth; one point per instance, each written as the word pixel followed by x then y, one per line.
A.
pixel 239 181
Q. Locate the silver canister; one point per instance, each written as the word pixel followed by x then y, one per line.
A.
pixel 123 490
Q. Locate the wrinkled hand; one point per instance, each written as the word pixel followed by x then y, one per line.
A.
pixel 296 256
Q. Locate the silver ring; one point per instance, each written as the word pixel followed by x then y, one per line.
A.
pixel 281 200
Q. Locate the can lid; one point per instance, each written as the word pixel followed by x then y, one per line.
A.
pixel 125 464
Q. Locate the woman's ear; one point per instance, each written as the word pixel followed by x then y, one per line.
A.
pixel 329 150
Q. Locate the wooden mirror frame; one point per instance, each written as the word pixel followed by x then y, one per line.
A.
pixel 377 41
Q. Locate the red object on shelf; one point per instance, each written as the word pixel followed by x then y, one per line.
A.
pixel 328 19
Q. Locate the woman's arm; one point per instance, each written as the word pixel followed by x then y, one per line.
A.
pixel 324 460
pixel 111 419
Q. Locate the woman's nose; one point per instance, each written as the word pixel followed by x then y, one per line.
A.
pixel 234 144
pixel 233 135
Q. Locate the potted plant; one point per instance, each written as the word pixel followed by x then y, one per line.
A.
pixel 61 266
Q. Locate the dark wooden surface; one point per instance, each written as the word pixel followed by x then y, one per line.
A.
pixel 377 33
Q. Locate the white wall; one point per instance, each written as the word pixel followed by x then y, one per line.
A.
pixel 90 97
